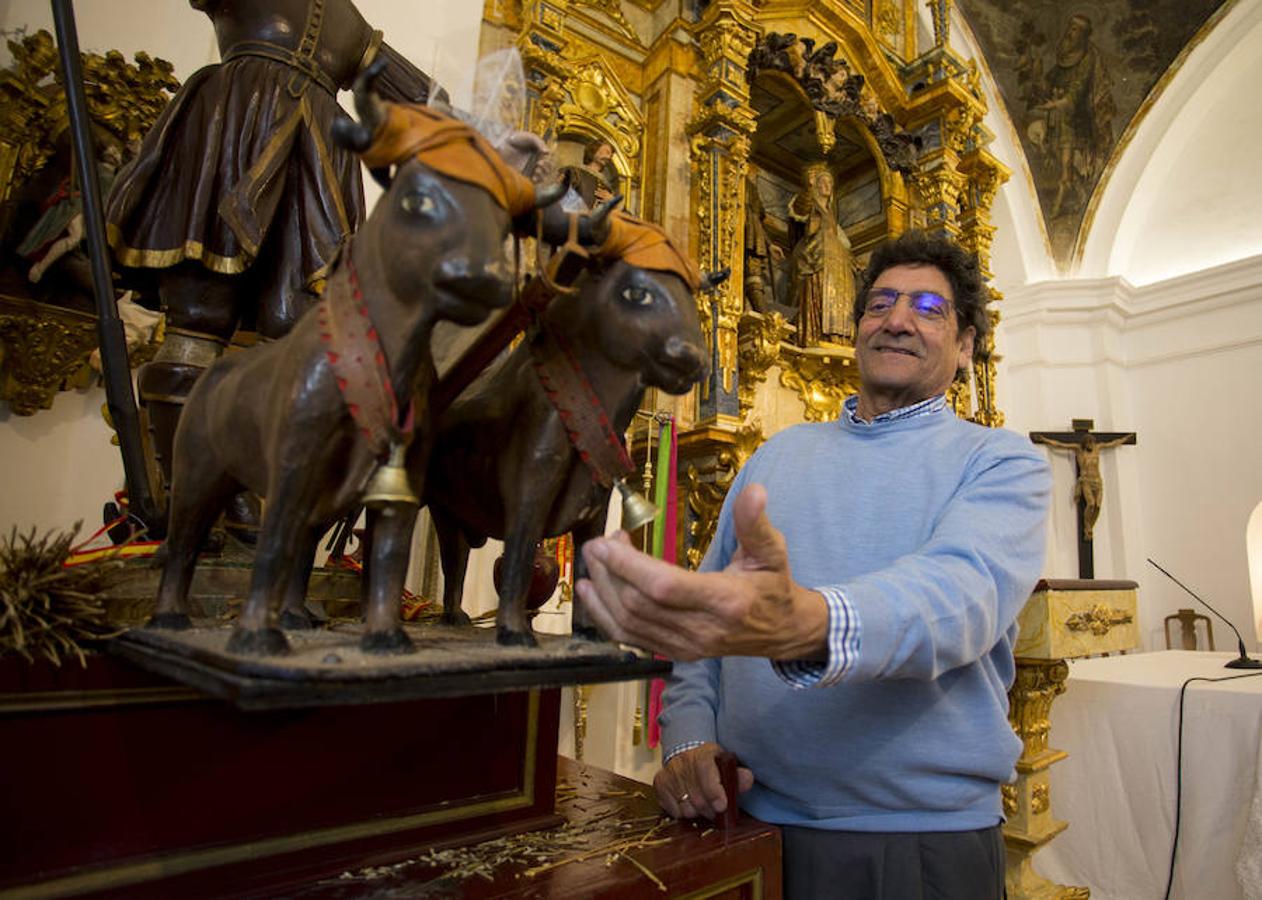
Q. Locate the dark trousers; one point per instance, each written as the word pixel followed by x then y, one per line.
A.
pixel 854 865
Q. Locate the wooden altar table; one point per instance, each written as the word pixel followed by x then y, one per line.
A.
pixel 1118 719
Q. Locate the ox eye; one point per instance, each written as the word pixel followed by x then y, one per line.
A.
pixel 637 296
pixel 417 203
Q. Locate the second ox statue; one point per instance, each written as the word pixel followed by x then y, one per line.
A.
pixel 531 448
pixel 308 420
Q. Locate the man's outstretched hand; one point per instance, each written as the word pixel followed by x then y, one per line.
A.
pixel 751 608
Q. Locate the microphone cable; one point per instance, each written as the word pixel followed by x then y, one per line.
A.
pixel 1178 770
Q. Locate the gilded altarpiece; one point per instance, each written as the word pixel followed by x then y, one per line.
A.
pixel 722 114
pixel 718 113
pixel 47 319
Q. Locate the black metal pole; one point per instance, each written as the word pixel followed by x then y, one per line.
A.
pixel 119 396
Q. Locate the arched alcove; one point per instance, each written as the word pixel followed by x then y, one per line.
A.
pixel 1181 198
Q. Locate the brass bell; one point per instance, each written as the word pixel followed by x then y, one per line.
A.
pixel 637 511
pixel 390 484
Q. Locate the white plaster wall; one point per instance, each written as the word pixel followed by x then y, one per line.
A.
pixel 1155 330
pixel 1173 361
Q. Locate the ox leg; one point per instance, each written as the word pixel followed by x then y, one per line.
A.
pixel 581 625
pixel 453 552
pixel 386 565
pixel 526 518
pixel 193 509
pixel 284 543
pixel 293 614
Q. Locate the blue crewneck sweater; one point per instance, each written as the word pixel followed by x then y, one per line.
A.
pixel 933 528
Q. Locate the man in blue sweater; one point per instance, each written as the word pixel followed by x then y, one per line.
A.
pixel 849 636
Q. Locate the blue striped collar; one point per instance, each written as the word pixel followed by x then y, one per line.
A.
pixel 923 408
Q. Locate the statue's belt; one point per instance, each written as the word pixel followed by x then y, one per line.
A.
pixel 572 395
pixel 302 64
pixel 358 362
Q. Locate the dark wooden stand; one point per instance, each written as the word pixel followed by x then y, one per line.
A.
pixel 116 781
pixel 120 783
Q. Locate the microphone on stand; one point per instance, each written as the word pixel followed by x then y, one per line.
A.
pixel 1244 661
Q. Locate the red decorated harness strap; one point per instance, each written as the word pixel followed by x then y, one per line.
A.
pixel 572 395
pixel 359 364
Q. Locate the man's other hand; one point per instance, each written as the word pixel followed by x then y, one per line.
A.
pixel 689 787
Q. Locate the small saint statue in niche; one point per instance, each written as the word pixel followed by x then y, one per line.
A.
pixel 821 265
pixel 762 255
pixel 596 180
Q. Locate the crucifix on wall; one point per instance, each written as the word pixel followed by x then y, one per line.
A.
pixel 1086 445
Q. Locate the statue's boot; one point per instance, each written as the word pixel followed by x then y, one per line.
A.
pixel 164 386
pixel 166 382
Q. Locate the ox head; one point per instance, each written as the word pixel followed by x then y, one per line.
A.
pixel 640 307
pixel 439 230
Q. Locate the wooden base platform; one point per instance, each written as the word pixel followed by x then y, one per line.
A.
pixel 326 666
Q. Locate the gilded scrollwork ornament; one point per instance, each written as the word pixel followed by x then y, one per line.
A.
pixel 1099 619
pixel 822 380
pixel 759 349
pixel 41 349
pixel 706 484
pixel 1037 685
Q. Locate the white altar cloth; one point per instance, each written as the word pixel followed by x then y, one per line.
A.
pixel 1118 720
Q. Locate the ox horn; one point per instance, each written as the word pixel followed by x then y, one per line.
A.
pixel 711 280
pixel 592 227
pixel 598 221
pixel 358 136
pixel 546 195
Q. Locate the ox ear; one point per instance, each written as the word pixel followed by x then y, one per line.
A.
pixel 358 136
pixel 711 280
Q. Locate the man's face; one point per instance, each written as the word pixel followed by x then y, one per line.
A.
pixel 603 154
pixel 902 357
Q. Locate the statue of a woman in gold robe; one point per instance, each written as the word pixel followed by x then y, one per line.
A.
pixel 822 267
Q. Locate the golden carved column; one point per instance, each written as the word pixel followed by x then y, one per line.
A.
pixel 1027 804
pixel 719 134
pixel 957 178
pixel 1063 619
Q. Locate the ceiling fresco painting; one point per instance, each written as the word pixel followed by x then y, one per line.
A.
pixel 1073 76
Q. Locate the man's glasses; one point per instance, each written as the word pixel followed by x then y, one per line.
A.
pixel 926 304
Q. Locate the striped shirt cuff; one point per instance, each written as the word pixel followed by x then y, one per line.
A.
pixel 843 647
pixel 680 748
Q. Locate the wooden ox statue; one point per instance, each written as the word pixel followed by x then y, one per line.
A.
pixel 308 420
pixel 504 464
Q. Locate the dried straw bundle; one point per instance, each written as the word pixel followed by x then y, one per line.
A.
pixel 46 609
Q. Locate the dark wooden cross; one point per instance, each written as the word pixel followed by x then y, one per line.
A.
pixel 1086 445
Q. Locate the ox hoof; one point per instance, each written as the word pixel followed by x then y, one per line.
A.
pixel 459 617
pixel 296 620
pixel 382 642
pixel 506 637
pixel 170 621
pixel 259 642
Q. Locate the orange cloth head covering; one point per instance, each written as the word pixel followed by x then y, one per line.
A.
pixel 451 148
pixel 646 245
